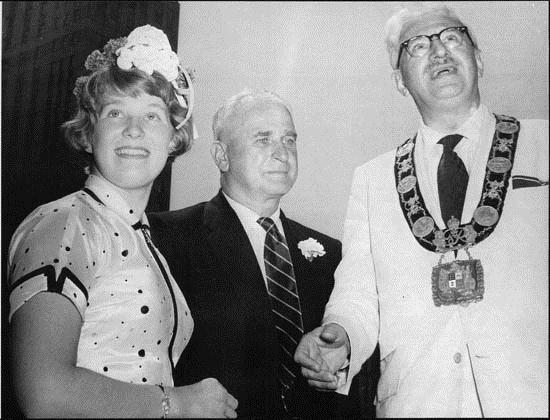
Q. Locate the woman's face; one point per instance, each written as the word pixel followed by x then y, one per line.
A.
pixel 131 142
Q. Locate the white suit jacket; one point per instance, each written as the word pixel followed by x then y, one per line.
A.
pixel 488 358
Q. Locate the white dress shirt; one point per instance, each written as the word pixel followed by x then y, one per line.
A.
pixel 255 232
pixel 427 154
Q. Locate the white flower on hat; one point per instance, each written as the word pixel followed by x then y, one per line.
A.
pixel 311 249
pixel 148 35
pixel 148 49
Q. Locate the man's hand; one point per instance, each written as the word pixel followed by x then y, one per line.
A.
pixel 321 353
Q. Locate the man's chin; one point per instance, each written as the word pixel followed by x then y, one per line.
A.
pixel 279 188
pixel 448 87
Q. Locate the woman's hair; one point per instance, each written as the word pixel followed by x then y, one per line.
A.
pixel 114 81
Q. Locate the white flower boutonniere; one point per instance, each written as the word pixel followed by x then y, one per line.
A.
pixel 311 249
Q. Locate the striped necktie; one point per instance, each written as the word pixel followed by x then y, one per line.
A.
pixel 285 302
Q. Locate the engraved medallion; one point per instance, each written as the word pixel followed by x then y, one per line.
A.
pixel 453 223
pixel 406 184
pixel 457 282
pixel 404 149
pixel 499 165
pixel 507 127
pixel 486 216
pixel 423 226
pixel 455 236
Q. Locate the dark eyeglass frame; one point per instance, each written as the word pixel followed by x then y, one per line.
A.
pixel 405 44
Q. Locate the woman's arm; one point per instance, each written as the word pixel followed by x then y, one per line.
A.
pixel 44 339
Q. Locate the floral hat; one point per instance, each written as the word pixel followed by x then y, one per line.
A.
pixel 148 49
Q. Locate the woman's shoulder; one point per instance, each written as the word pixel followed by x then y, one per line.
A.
pixel 48 216
pixel 59 225
pixel 47 248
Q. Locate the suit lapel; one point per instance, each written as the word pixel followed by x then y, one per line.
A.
pixel 229 242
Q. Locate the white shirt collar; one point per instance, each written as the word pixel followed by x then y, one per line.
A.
pixel 109 196
pixel 247 214
pixel 478 130
pixel 249 218
pixel 470 129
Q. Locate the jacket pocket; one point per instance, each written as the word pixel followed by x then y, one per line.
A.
pixel 389 379
pixel 524 181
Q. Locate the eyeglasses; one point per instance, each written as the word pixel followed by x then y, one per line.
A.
pixel 419 45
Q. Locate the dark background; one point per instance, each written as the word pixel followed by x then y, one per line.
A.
pixel 44 46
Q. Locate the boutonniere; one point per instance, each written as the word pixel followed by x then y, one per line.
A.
pixel 311 249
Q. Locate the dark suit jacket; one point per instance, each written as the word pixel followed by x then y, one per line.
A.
pixel 234 339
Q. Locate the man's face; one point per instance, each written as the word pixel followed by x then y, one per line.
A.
pixel 441 76
pixel 260 152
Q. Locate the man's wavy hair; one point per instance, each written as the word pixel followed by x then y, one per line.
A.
pixel 413 12
pixel 113 82
pixel 236 102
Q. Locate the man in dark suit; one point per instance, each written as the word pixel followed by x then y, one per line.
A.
pixel 215 251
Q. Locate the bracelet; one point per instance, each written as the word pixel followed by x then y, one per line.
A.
pixel 165 403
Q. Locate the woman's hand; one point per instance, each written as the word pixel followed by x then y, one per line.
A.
pixel 207 398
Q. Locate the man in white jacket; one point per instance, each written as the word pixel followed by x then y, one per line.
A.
pixel 445 248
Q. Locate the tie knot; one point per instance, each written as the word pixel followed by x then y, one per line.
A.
pixel 266 222
pixel 449 142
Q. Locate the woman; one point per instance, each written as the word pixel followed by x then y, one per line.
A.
pixel 97 321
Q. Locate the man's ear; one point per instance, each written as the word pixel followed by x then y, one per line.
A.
pixel 399 84
pixel 218 151
pixel 479 63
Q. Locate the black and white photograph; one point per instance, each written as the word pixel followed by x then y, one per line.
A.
pixel 274 209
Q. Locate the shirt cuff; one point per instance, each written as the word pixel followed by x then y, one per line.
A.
pixel 342 375
pixel 342 386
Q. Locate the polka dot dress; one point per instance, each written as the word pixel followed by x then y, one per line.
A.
pixel 89 247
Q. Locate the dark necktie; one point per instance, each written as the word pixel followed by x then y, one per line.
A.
pixel 452 179
pixel 285 302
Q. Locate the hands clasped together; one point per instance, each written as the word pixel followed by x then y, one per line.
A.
pixel 322 353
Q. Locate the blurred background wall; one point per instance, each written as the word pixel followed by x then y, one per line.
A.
pixel 329 61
